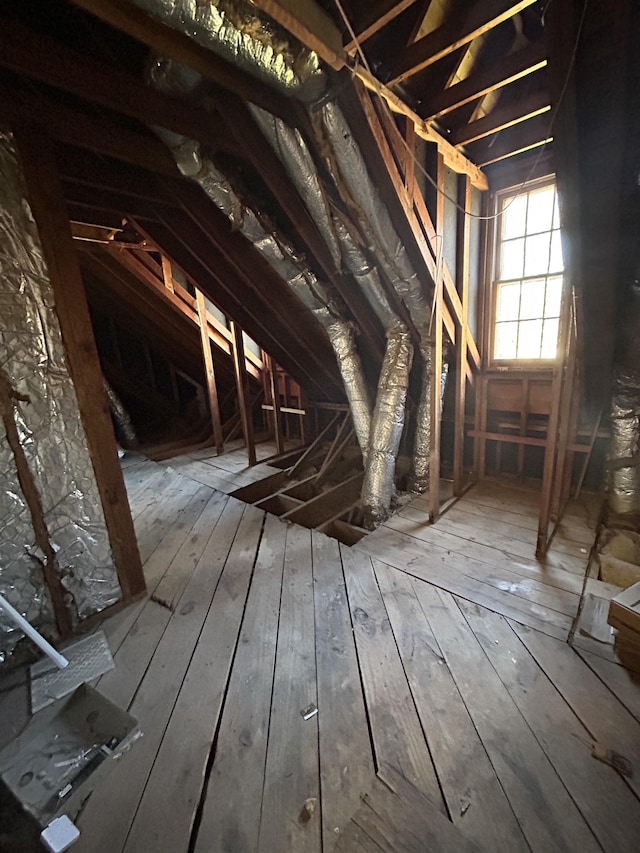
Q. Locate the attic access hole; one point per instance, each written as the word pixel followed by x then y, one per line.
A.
pixel 312 497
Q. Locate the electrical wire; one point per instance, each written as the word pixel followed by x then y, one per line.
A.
pixel 534 166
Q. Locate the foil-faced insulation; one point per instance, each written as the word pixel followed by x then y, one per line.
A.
pixel 419 479
pixel 239 32
pixel 625 441
pixel 50 433
pixel 387 425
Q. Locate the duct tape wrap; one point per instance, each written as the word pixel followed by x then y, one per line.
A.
pixel 419 480
pixel 237 31
pixel 373 216
pixel 342 339
pixel 387 425
pixel 625 441
pixel 50 435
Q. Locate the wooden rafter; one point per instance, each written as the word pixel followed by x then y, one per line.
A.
pixel 376 18
pixel 451 35
pixel 40 58
pixel 529 134
pixel 505 71
pixel 126 17
pixel 502 118
pixel 310 24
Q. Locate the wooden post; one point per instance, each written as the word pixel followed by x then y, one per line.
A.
pixel 275 401
pixel 550 456
pixel 167 273
pixel 212 388
pixel 48 207
pixel 462 282
pixel 436 355
pixel 242 383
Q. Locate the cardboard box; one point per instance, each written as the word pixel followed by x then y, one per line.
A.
pixel 64 752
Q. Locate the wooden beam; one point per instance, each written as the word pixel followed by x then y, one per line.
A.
pixel 40 58
pixel 93 132
pixel 375 19
pixel 48 207
pixel 212 388
pixel 253 284
pixel 436 357
pixel 462 281
pixel 421 223
pixel 451 36
pixel 529 134
pixel 501 118
pixel 275 400
pixel 452 157
pixel 310 24
pixel 167 41
pixel 504 71
pixel 244 397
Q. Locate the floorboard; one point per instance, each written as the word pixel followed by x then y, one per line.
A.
pixel 452 715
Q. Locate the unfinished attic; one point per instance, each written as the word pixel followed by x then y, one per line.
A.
pixel 320 401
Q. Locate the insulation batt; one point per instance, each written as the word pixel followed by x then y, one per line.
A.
pixel 625 441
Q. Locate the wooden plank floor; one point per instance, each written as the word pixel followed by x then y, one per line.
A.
pixel 444 723
pixel 482 549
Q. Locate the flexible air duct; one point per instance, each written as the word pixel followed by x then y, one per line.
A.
pixel 625 441
pixel 387 425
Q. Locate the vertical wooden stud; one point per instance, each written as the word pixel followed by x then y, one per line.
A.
pixel 212 388
pixel 462 283
pixel 275 401
pixel 242 383
pixel 436 355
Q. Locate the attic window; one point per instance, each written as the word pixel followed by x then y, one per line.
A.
pixel 528 276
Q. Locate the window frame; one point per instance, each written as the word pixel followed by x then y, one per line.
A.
pixel 515 364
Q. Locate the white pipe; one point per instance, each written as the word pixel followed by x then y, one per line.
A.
pixel 59 660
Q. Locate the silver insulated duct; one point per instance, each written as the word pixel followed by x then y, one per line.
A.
pixel 387 425
pixel 419 480
pixel 625 442
pixel 239 32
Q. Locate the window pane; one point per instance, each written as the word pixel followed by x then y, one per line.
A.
pixel 537 255
pixel 529 335
pixel 514 215
pixel 512 259
pixel 540 213
pixel 556 212
pixel 554 296
pixel 506 340
pixel 532 299
pixel 508 302
pixel 550 339
pixel 556 263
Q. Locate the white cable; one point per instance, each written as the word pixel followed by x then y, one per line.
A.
pixel 60 661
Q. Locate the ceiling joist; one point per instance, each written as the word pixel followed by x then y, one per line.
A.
pixel 451 36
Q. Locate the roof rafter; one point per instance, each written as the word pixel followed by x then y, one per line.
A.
pixel 505 71
pixel 376 18
pixel 502 118
pixel 450 36
pixel 529 134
